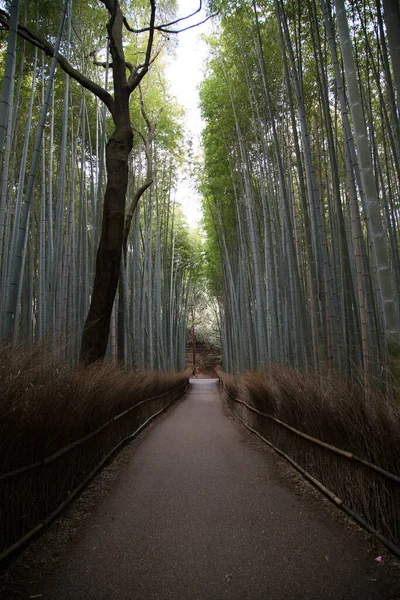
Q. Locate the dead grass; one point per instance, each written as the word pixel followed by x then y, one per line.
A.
pixel 337 413
pixel 45 407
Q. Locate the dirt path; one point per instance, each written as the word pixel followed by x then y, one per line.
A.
pixel 201 514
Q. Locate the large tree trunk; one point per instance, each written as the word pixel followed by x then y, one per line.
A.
pixel 108 261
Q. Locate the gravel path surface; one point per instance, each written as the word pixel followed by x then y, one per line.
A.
pixel 200 513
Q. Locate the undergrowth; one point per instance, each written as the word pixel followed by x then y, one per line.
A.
pixel 46 407
pixel 335 412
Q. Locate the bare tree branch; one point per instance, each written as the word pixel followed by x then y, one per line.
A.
pixel 36 39
pixel 164 27
pixel 139 67
pixel 97 63
pixel 139 133
pixel 138 74
pixel 159 27
pixel 128 219
pixel 143 111
pixel 163 30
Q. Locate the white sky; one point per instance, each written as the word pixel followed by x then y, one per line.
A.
pixel 185 74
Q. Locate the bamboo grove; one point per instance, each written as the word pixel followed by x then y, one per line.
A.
pixel 301 183
pixel 53 135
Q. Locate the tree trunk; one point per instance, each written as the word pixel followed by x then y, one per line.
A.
pixel 108 261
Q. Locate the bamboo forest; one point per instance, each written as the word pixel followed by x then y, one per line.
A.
pixel 285 291
pixel 300 185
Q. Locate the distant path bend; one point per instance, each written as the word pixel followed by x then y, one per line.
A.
pixel 201 514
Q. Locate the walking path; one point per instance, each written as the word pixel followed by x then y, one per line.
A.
pixel 200 513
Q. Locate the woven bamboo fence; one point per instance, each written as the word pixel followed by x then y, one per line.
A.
pixel 34 495
pixel 365 491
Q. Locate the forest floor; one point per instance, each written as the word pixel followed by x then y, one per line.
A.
pixel 197 509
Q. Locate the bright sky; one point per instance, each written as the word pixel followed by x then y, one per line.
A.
pixel 185 74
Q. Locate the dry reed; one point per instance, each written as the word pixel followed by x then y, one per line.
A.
pixel 337 413
pixel 45 407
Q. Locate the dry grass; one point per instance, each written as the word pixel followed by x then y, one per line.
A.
pixel 44 407
pixel 337 413
pixel 331 410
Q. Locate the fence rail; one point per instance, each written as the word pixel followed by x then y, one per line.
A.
pixel 316 441
pixel 21 494
pixel 48 459
pixel 393 547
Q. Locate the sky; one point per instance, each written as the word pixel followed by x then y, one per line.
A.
pixel 185 73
